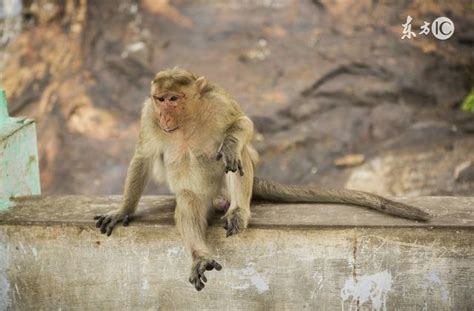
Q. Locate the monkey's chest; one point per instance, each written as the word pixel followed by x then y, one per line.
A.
pixel 198 172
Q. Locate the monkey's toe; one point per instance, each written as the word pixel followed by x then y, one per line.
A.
pixel 126 220
pixel 235 221
pixel 232 225
pixel 197 277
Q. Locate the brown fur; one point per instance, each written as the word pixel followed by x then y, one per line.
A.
pixel 186 125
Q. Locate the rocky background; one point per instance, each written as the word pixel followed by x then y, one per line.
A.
pixel 337 96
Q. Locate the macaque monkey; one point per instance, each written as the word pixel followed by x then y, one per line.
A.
pixel 194 136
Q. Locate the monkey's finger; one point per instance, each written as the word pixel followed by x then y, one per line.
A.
pixel 231 167
pixel 126 220
pixel 111 226
pixel 97 217
pixel 226 162
pixel 236 165
pixel 200 269
pixel 196 281
pixel 203 278
pixel 216 265
pixel 109 230
pixel 99 221
pixel 199 285
pixel 239 166
pixel 213 265
pixel 219 152
pixel 103 227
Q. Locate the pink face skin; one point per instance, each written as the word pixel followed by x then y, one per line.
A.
pixel 169 107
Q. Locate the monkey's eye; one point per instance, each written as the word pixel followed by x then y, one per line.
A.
pixel 174 98
pixel 161 99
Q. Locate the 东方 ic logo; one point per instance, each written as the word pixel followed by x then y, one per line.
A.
pixel 442 28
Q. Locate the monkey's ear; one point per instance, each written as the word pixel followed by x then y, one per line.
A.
pixel 201 84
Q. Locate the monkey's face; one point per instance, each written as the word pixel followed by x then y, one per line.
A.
pixel 169 107
pixel 176 97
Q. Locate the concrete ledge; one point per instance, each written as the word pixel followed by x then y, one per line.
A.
pixel 455 212
pixel 292 257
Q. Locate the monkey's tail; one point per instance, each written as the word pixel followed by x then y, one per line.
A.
pixel 273 191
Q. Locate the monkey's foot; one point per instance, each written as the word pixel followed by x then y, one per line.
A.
pixel 230 155
pixel 107 222
pixel 235 221
pixel 198 268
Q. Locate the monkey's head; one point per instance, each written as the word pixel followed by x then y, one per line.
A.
pixel 176 94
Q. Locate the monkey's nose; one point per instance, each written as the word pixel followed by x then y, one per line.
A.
pixel 169 104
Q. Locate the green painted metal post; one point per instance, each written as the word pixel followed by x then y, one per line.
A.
pixel 19 170
pixel 3 108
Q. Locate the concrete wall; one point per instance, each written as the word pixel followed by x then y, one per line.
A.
pixel 49 264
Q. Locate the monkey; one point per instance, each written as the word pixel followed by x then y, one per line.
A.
pixel 195 137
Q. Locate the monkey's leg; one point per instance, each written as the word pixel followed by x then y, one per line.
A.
pixel 240 189
pixel 191 220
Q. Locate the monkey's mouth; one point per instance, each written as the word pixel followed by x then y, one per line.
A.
pixel 170 130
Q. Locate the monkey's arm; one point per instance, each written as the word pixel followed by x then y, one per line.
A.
pixel 137 177
pixel 137 174
pixel 239 133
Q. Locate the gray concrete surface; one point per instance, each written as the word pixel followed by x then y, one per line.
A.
pixel 324 257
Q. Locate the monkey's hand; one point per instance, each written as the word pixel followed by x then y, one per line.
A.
pixel 228 151
pixel 107 222
pixel 198 268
